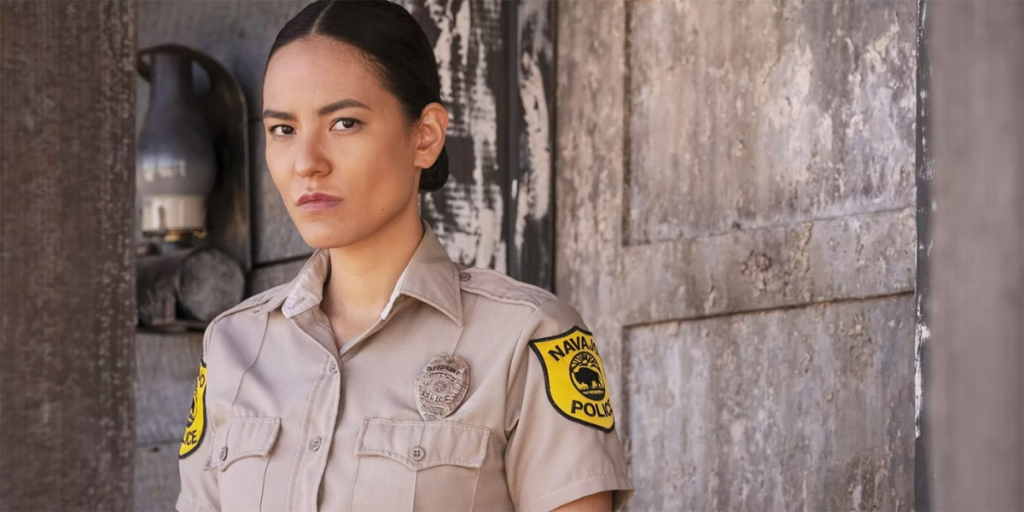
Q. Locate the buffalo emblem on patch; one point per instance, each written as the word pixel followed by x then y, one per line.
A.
pixel 575 379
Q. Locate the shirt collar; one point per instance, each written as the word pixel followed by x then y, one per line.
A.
pixel 431 277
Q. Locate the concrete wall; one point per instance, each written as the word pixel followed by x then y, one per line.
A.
pixel 736 214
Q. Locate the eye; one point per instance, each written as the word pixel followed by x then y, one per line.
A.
pixel 347 123
pixel 285 130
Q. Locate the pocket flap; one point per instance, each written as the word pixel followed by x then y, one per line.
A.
pixel 243 437
pixel 423 444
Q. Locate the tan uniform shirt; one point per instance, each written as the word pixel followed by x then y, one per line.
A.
pixel 282 420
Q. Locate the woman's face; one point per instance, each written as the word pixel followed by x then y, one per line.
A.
pixel 332 128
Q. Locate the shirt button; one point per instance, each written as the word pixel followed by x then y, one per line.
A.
pixel 224 453
pixel 418 453
pixel 464 276
pixel 315 444
pixel 334 367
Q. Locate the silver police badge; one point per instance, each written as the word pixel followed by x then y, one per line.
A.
pixel 441 386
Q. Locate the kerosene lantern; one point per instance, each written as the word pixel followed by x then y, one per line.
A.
pixel 176 163
pixel 193 192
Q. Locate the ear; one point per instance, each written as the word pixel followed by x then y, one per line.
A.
pixel 431 129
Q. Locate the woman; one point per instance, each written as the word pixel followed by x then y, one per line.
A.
pixel 385 376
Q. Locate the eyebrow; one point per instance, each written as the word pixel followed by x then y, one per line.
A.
pixel 322 111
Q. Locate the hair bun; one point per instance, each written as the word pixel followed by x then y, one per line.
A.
pixel 435 176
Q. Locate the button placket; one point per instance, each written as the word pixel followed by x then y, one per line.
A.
pixel 322 416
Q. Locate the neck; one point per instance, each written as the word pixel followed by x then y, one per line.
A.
pixel 364 274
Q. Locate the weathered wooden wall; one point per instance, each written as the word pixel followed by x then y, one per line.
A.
pixel 735 219
pixel 67 301
pixel 496 60
pixel 975 384
pixel 497 80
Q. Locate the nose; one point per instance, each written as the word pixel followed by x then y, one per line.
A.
pixel 310 160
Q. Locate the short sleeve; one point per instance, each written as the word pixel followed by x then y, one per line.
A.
pixel 198 486
pixel 562 442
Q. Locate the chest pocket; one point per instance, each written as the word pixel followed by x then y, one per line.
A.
pixel 421 465
pixel 240 454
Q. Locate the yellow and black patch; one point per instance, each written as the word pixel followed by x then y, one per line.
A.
pixel 196 426
pixel 575 379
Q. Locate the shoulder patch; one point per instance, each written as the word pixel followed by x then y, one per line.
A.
pixel 195 429
pixel 575 379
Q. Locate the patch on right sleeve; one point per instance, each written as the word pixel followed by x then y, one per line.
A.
pixel 195 429
pixel 575 379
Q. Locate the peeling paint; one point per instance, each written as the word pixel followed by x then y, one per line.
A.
pixel 534 204
pixel 453 27
pixel 922 334
pixel 471 216
pixel 877 54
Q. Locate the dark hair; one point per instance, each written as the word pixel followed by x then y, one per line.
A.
pixel 393 40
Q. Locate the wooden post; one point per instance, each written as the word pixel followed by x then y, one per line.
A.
pixel 973 389
pixel 67 305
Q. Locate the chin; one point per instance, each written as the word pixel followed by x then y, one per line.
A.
pixel 321 236
pixel 325 232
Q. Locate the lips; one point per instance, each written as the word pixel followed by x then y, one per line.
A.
pixel 317 201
